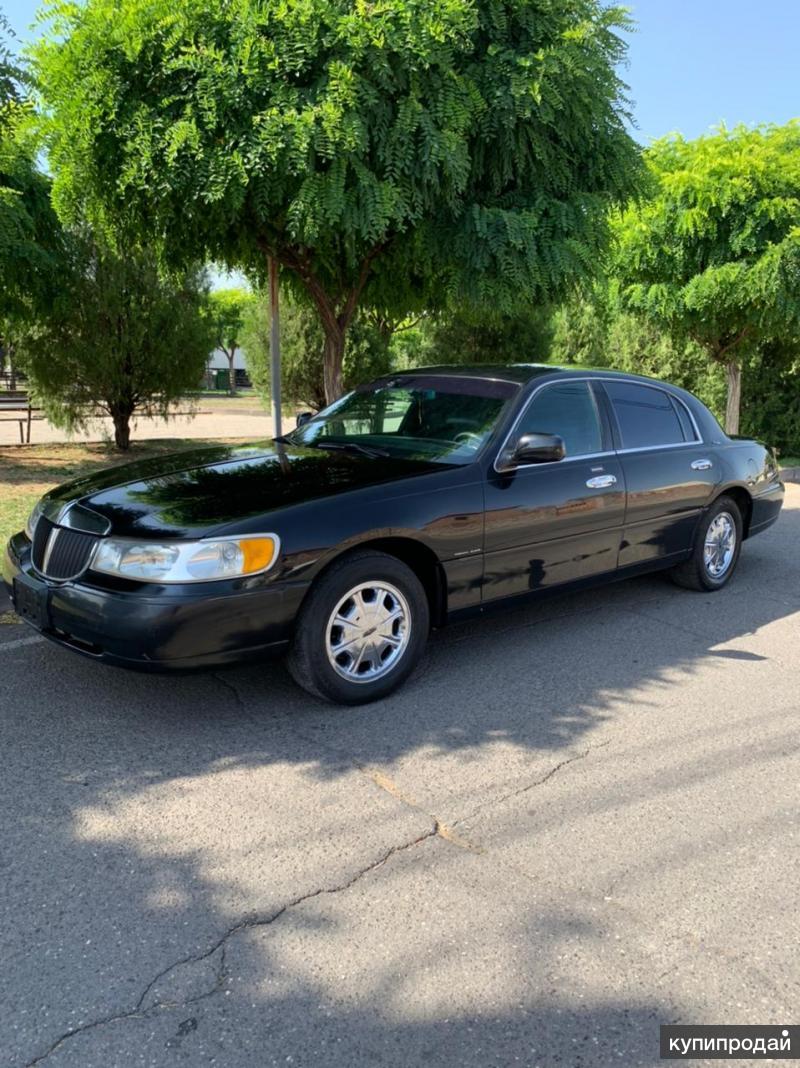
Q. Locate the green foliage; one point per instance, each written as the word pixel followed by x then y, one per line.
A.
pixel 580 330
pixel 423 150
pixel 771 397
pixel 714 254
pixel 29 230
pixel 477 335
pixel 227 309
pixel 366 354
pixel 12 77
pixel 118 339
pixel 594 330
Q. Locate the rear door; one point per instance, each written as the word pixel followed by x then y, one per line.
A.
pixel 670 474
pixel 552 523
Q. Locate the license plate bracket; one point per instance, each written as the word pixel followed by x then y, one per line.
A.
pixel 31 602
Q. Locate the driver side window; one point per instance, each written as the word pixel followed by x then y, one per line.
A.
pixel 569 410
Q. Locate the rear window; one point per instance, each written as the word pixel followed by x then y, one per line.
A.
pixel 646 415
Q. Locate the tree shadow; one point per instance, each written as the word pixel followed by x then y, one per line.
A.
pixel 154 820
pixel 42 464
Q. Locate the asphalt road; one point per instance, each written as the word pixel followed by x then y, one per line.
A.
pixel 577 821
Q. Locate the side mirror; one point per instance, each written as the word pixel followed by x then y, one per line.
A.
pixel 303 417
pixel 538 449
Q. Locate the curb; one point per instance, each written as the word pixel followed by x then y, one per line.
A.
pixel 790 474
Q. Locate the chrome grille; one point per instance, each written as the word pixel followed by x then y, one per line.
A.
pixel 41 533
pixel 59 553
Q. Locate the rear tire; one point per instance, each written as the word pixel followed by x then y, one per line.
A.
pixel 716 549
pixel 361 630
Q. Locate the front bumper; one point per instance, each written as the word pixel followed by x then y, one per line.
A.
pixel 180 630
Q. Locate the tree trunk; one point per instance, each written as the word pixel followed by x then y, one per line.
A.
pixel 231 373
pixel 122 429
pixel 733 378
pixel 333 358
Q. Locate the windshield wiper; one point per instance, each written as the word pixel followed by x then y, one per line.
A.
pixel 351 446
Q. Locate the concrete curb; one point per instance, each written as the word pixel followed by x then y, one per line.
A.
pixel 790 474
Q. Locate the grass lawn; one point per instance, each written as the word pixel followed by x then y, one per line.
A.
pixel 28 471
pixel 789 461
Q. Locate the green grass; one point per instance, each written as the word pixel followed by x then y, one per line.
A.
pixel 789 461
pixel 28 471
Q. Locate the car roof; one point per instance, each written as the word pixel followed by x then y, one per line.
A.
pixel 519 373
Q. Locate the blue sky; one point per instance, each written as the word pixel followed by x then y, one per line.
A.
pixel 693 63
pixel 696 63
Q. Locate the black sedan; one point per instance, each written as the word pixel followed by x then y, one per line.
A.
pixel 412 501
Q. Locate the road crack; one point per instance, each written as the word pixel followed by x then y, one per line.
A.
pixel 385 782
pixel 492 802
pixel 141 1010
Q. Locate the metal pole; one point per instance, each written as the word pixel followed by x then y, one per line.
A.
pixel 275 346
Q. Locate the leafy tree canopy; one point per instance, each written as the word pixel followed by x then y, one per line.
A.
pixel 714 254
pixel 412 146
pixel 118 339
pixel 483 336
pixel 30 233
pixel 227 309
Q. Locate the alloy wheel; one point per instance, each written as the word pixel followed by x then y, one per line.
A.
pixel 720 545
pixel 368 632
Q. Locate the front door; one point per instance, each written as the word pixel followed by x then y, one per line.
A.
pixel 553 523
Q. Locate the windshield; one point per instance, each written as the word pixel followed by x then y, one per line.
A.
pixel 428 418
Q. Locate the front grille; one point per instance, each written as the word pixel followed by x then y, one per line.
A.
pixel 41 533
pixel 59 553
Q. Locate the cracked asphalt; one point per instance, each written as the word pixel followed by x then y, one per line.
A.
pixel 576 822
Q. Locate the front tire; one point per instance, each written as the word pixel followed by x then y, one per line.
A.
pixel 716 549
pixel 361 630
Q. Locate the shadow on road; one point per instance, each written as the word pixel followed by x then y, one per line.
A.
pixel 153 820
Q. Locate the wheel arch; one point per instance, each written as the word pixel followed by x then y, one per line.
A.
pixel 745 503
pixel 420 558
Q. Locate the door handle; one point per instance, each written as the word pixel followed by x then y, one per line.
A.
pixel 701 465
pixel 601 481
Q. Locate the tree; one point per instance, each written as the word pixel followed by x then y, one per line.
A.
pixel 30 233
pixel 302 344
pixel 472 335
pixel 714 254
pixel 378 151
pixel 119 338
pixel 227 308
pixel 594 329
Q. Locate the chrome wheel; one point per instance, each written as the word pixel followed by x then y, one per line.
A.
pixel 368 632
pixel 720 545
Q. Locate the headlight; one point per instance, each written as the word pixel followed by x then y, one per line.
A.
pixel 186 561
pixel 33 519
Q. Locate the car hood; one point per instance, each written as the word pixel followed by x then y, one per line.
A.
pixel 189 493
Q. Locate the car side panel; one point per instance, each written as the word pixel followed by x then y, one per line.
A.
pixel 665 497
pixel 545 526
pixel 750 466
pixel 442 511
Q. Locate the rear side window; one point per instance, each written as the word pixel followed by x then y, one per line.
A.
pixel 569 410
pixel 646 416
pixel 688 430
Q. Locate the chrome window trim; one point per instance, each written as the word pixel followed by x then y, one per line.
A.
pixel 518 420
pixel 652 448
pixel 698 436
pixel 608 452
